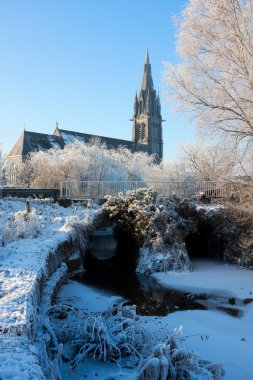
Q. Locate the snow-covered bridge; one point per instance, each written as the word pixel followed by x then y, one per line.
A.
pixel 79 190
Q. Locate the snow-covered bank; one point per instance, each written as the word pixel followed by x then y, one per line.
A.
pixel 33 247
pixel 214 335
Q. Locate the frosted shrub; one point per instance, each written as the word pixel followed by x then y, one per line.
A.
pixel 118 335
pixel 115 335
pixel 97 341
pixel 140 212
pixel 171 361
pixel 155 225
pixel 21 225
pixel 79 230
pixel 151 261
pixel 240 241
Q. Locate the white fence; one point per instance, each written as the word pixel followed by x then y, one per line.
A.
pixel 78 190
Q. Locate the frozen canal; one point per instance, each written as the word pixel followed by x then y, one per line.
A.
pixel 213 304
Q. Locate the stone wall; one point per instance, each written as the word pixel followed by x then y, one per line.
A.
pixel 25 346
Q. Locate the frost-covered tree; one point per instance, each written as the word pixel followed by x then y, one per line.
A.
pixel 102 166
pixel 213 78
pixel 138 165
pixel 92 161
pixel 46 165
pixel 172 171
pixel 26 173
pixel 78 161
pixel 210 162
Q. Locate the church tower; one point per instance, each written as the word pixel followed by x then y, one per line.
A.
pixel 147 119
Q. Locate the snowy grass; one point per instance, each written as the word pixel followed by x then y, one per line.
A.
pixel 118 335
pixel 115 335
pixel 172 361
pixel 21 225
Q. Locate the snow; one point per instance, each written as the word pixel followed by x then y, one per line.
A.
pixel 212 276
pixel 230 339
pixel 24 253
pixel 69 138
pixel 54 143
pixel 78 295
pixel 212 334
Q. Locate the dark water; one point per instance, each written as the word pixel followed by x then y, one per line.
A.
pixel 152 298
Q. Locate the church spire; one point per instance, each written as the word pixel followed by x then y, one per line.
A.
pixel 147 81
pixel 147 58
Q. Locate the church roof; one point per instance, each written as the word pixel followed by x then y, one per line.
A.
pixel 34 142
pixel 29 142
pixel 69 137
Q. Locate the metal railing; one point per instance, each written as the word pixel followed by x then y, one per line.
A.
pixel 78 190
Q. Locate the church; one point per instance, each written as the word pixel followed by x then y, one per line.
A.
pixel 146 129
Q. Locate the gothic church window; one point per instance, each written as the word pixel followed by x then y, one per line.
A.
pixel 155 133
pixel 13 175
pixel 141 132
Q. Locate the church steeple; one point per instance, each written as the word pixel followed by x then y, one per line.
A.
pixel 147 57
pixel 147 119
pixel 147 81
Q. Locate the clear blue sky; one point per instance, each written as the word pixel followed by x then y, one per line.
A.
pixel 80 62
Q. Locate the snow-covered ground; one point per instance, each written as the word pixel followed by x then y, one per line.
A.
pixel 26 240
pixel 214 335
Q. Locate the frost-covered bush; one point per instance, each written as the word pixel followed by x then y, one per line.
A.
pixel 154 223
pixel 169 360
pixel 151 261
pixel 79 230
pixel 116 335
pixel 140 212
pixel 21 225
pixel 237 229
